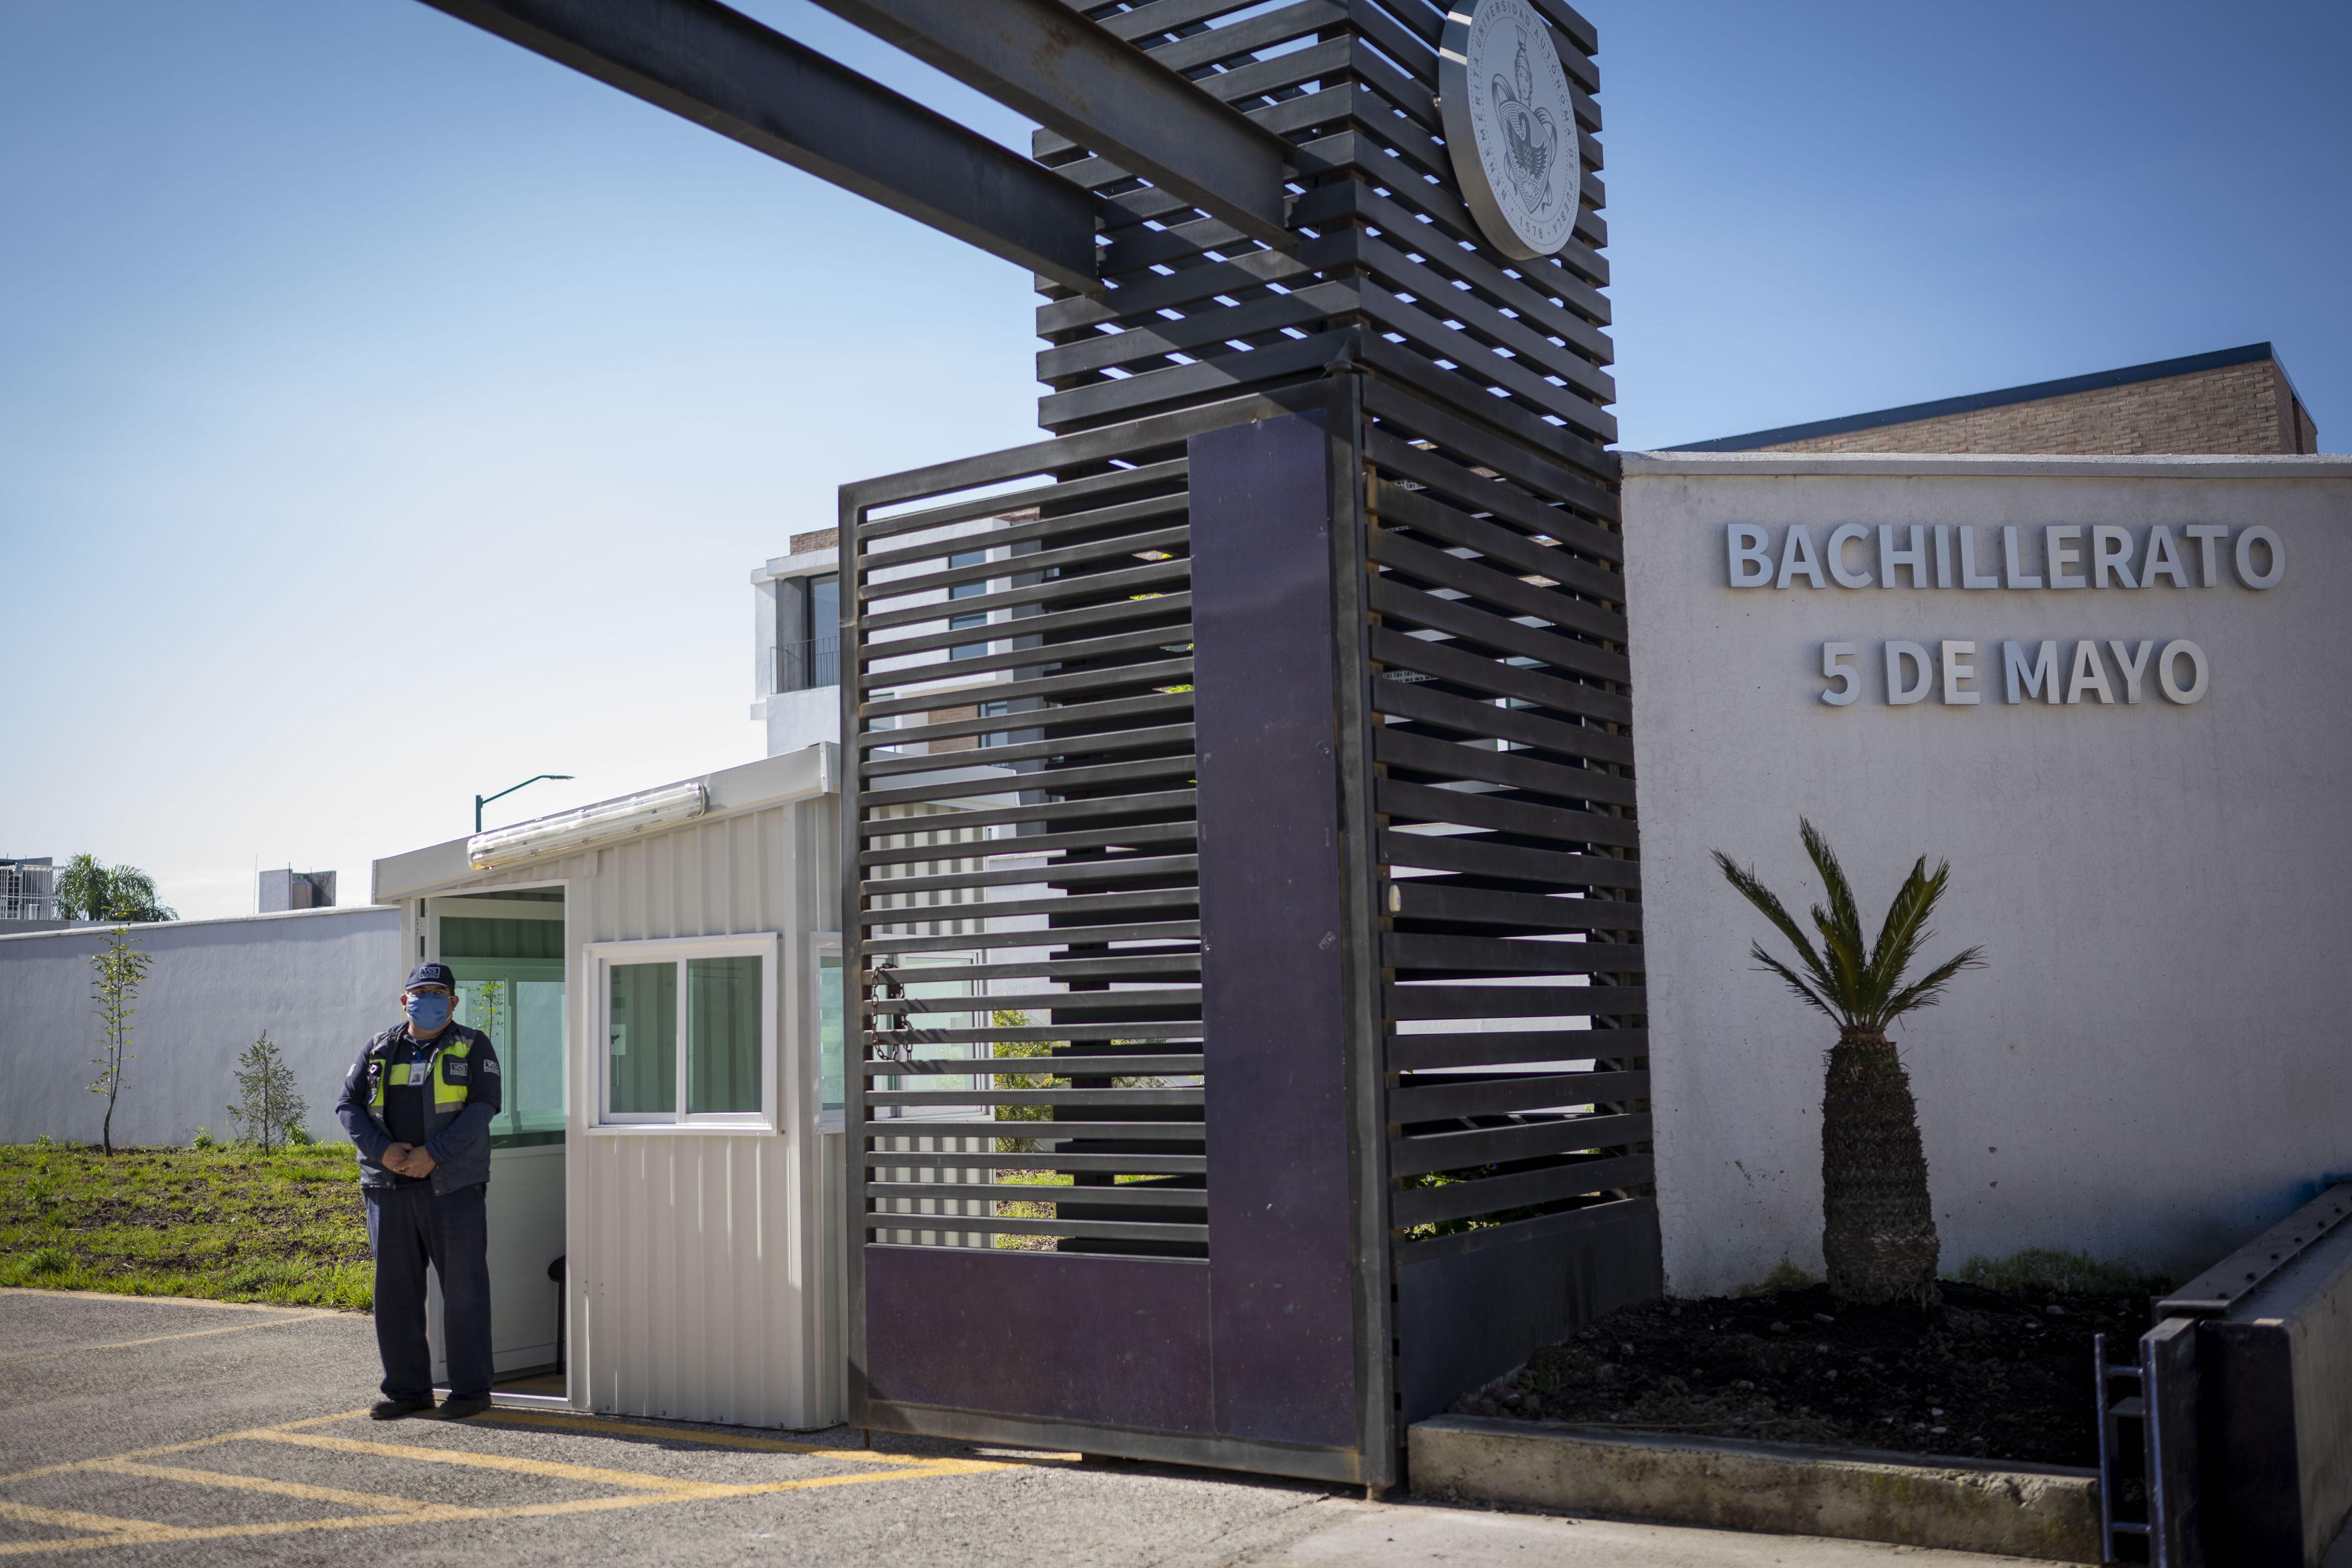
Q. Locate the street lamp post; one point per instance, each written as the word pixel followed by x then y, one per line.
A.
pixel 482 800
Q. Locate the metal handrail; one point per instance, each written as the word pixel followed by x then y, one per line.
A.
pixel 805 665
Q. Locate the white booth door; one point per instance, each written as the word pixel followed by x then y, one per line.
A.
pixel 507 950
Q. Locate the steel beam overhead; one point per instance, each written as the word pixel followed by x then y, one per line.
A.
pixel 721 69
pixel 1073 75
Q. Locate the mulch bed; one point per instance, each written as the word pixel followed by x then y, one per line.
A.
pixel 1991 1374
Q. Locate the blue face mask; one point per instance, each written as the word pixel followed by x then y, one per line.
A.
pixel 428 1009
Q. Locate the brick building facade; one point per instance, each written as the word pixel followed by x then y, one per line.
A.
pixel 2233 401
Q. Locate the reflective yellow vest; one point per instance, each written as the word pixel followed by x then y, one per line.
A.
pixel 448 1099
pixel 456 1047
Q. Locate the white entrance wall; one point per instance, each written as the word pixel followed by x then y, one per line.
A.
pixel 2152 1068
pixel 700 1284
pixel 319 982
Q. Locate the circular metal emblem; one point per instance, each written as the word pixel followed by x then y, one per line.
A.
pixel 1510 125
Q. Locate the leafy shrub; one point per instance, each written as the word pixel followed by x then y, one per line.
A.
pixel 204 1138
pixel 1013 1019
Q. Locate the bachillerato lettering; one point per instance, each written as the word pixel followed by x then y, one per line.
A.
pixel 2053 557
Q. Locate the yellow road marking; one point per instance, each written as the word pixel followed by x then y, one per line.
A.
pixel 716 1439
pixel 66 1518
pixel 494 1462
pixel 161 1339
pixel 376 1501
pixel 181 1447
pixel 132 1533
pixel 648 1488
pixel 307 1422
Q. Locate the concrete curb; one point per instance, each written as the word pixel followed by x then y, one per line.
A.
pixel 128 1297
pixel 2044 1511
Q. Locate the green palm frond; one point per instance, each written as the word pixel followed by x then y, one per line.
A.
pixel 1928 989
pixel 1905 930
pixel 1762 897
pixel 1841 923
pixel 1856 981
pixel 1796 983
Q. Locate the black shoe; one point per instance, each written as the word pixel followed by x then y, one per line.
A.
pixel 459 1410
pixel 394 1409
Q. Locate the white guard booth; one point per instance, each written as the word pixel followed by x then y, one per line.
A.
pixel 661 977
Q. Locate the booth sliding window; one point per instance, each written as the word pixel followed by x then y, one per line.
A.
pixel 688 1027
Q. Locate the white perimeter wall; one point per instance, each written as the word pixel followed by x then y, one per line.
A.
pixel 319 980
pixel 2155 1065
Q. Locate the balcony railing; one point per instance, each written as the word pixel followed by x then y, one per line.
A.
pixel 27 893
pixel 801 666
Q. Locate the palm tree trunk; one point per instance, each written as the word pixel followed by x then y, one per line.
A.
pixel 1878 1231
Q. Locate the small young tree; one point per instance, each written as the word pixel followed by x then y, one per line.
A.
pixel 268 1109
pixel 486 1009
pixel 120 967
pixel 1878 1230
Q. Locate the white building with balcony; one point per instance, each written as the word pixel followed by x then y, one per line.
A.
pixel 796 640
pixel 796 665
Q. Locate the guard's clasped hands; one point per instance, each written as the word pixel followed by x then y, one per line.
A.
pixel 408 1160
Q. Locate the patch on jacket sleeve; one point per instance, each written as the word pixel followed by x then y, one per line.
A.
pixel 490 1067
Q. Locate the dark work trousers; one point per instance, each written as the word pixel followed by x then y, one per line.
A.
pixel 407 1228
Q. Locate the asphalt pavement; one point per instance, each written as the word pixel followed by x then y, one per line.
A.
pixel 142 1431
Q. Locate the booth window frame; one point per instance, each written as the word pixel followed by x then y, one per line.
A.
pixel 601 956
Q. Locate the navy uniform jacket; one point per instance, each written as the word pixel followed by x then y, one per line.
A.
pixel 464 1083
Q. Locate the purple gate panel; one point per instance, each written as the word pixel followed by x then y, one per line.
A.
pixel 1059 1336
pixel 1281 1253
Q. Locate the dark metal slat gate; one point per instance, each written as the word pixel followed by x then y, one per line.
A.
pixel 1244 926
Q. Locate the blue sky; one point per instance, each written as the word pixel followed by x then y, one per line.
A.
pixel 387 414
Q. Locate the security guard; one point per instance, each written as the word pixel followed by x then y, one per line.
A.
pixel 419 1103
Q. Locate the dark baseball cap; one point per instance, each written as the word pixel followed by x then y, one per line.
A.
pixel 431 975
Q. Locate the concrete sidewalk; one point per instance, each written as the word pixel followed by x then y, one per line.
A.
pixel 174 1432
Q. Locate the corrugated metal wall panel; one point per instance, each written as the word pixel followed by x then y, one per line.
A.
pixel 700 1288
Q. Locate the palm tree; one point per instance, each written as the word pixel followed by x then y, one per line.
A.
pixel 1878 1231
pixel 88 889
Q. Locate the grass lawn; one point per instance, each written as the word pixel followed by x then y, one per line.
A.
pixel 230 1224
